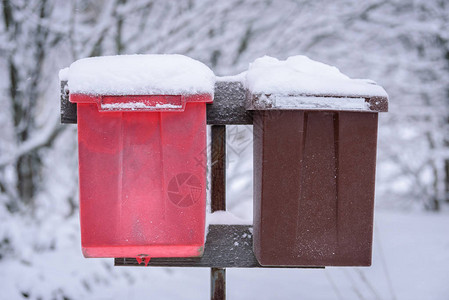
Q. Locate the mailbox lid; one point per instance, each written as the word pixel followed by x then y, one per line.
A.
pixel 136 103
pixel 147 74
pixel 300 83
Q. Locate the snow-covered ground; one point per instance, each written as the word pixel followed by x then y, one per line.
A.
pixel 410 261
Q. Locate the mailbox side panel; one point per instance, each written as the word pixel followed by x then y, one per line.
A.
pixel 314 187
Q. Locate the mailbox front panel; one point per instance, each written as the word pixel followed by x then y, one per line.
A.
pixel 142 182
pixel 314 177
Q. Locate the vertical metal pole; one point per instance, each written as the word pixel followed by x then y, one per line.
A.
pixel 218 200
pixel 218 168
pixel 218 283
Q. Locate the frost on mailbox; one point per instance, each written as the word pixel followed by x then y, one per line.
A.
pixel 315 136
pixel 142 158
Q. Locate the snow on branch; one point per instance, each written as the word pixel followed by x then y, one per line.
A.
pixel 40 139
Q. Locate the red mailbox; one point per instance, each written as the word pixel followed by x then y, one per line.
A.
pixel 142 158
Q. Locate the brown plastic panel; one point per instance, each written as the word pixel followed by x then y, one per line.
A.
pixel 314 177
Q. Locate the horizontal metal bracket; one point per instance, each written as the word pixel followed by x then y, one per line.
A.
pixel 228 107
pixel 227 246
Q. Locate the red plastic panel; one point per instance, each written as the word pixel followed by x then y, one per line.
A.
pixel 142 182
pixel 140 102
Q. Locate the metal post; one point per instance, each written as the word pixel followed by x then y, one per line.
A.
pixel 218 200
pixel 218 168
pixel 218 283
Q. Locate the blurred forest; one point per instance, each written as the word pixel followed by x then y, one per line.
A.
pixel 402 45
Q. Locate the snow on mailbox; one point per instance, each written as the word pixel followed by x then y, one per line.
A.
pixel 142 158
pixel 315 135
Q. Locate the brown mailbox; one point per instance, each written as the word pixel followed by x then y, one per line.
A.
pixel 314 173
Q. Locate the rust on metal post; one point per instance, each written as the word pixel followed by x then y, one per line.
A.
pixel 218 202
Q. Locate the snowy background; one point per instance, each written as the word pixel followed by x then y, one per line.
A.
pixel 403 45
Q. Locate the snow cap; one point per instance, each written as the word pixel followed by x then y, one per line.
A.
pixel 302 83
pixel 149 74
pixel 64 74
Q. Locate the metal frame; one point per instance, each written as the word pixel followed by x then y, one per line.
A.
pixel 226 246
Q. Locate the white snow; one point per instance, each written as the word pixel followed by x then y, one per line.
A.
pixel 137 106
pixel 299 75
pixel 241 77
pixel 389 41
pixel 410 261
pixel 151 74
pixel 225 218
pixel 64 74
pixel 319 103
